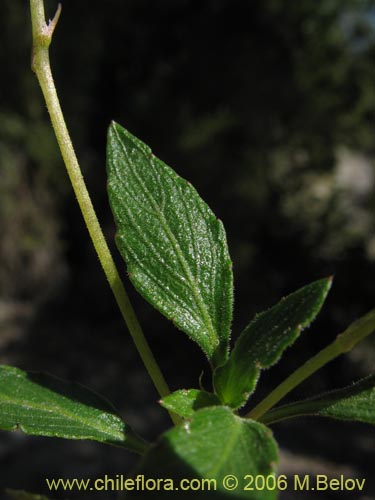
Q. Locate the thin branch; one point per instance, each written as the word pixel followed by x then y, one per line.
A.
pixel 42 37
pixel 356 332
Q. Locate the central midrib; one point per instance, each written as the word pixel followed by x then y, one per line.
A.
pixel 198 298
pixel 226 450
pixel 63 413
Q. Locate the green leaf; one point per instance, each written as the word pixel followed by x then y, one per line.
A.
pixel 186 402
pixel 263 341
pixel 43 405
pixel 215 444
pixel 174 246
pixel 355 402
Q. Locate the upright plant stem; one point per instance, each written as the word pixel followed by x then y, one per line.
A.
pixel 42 36
pixel 356 332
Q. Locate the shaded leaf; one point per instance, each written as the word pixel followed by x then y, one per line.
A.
pixel 186 402
pixel 355 402
pixel 43 405
pixel 174 246
pixel 263 341
pixel 23 495
pixel 215 444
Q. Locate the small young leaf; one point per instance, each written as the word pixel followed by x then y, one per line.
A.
pixel 218 446
pixel 43 405
pixel 174 246
pixel 355 402
pixel 263 341
pixel 186 402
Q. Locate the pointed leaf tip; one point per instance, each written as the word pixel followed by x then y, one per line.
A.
pixel 263 341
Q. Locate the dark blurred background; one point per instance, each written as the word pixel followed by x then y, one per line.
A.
pixel 267 107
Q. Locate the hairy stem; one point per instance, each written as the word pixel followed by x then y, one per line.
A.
pixel 356 332
pixel 42 36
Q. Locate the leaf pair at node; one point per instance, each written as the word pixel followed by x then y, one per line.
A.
pixel 178 259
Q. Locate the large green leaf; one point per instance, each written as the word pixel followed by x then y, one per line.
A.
pixel 355 402
pixel 263 341
pixel 185 402
pixel 174 246
pixel 216 445
pixel 43 405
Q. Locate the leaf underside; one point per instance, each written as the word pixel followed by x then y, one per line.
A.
pixel 355 402
pixel 186 402
pixel 174 246
pixel 263 341
pixel 215 444
pixel 43 405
